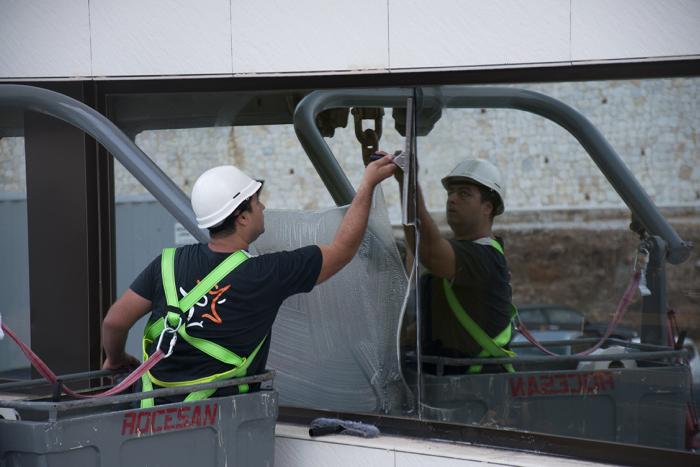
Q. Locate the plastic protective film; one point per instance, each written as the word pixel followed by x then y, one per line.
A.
pixel 335 348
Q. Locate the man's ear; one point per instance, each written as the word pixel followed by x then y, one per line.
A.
pixel 488 208
pixel 243 218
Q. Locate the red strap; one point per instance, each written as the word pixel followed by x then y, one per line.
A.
pixel 617 317
pixel 50 376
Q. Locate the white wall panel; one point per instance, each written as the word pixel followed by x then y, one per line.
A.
pixel 272 36
pixel 405 459
pixel 301 453
pixel 177 37
pixel 44 38
pixel 626 29
pixel 458 33
pixel 84 38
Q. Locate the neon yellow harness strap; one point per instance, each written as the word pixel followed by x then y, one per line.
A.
pixel 204 393
pixel 497 246
pixel 214 350
pixel 490 347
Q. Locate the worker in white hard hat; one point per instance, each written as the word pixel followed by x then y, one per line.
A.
pixel 221 300
pixel 467 292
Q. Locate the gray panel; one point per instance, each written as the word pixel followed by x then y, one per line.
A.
pixel 639 406
pixel 207 433
pixel 199 448
pixel 143 229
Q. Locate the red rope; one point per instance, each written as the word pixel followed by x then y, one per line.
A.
pixel 51 377
pixel 617 317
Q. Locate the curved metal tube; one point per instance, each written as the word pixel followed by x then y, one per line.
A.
pixel 315 146
pixel 113 139
pixel 604 156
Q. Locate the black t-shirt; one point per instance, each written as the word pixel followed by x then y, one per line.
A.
pixel 482 286
pixel 237 313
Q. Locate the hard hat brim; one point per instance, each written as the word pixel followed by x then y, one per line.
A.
pixel 446 181
pixel 219 216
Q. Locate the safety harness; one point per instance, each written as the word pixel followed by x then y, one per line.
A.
pixel 174 323
pixel 491 347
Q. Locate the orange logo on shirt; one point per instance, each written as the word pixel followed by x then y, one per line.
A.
pixel 217 293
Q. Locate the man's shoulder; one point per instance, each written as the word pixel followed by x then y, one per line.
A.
pixel 480 250
pixel 472 245
pixel 191 248
pixel 305 251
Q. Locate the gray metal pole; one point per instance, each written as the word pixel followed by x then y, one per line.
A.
pixel 655 306
pixel 113 139
pixel 605 157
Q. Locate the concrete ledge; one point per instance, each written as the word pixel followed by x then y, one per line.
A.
pixel 294 447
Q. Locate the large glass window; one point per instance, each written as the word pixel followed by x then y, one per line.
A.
pixel 564 256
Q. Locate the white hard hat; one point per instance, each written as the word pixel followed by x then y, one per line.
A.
pixel 218 192
pixel 483 173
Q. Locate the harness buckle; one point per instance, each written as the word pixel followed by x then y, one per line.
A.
pixel 167 329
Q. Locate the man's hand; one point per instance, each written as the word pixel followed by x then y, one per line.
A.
pixel 115 328
pixel 398 173
pixel 124 361
pixel 378 171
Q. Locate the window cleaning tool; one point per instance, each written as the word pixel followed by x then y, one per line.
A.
pixel 329 426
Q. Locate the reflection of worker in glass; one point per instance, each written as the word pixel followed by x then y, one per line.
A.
pixel 467 293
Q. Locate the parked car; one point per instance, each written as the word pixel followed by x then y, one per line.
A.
pixel 551 318
pixel 543 337
pixel 564 318
pixel 518 344
pixel 598 329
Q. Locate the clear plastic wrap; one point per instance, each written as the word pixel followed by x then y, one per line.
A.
pixel 335 347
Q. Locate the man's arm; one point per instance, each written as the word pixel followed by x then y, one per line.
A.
pixel 128 309
pixel 349 234
pixel 435 252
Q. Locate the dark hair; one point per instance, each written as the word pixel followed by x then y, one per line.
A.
pixel 489 195
pixel 228 225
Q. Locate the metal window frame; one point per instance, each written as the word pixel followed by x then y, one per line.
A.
pixel 584 449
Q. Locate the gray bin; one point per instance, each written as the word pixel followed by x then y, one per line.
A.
pixel 646 406
pixel 221 431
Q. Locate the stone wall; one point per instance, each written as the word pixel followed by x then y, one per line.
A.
pixel 588 268
pixel 653 125
pixel 12 171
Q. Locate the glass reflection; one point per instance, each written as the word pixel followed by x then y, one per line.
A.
pixel 565 240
